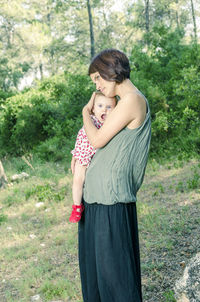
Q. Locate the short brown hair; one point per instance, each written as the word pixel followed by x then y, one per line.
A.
pixel 112 65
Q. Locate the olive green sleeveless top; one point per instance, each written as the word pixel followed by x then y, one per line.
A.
pixel 117 170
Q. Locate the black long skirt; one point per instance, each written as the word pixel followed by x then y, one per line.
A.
pixel 109 258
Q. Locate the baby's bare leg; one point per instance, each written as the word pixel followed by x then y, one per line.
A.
pixel 78 181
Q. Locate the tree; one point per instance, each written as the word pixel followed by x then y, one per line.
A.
pixel 147 15
pixel 194 21
pixel 10 46
pixel 92 51
pixel 39 38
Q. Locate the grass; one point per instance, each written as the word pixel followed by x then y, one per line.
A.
pixel 38 252
pixel 3 218
pixel 169 296
pixel 168 207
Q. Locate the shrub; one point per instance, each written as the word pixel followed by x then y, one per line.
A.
pixel 45 116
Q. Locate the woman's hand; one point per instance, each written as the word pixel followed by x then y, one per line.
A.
pixel 73 161
pixel 89 106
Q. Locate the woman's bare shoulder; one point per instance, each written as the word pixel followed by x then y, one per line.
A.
pixel 135 103
pixel 134 100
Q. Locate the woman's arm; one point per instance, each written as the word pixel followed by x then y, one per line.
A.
pixel 129 110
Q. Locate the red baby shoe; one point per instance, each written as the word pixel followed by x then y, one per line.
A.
pixel 76 213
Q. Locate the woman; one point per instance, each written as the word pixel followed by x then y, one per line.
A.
pixel 108 232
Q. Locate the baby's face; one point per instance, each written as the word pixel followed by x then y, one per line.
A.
pixel 103 106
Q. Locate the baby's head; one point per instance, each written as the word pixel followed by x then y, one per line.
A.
pixel 103 106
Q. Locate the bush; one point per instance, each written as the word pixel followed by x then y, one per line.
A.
pixel 45 117
pixel 168 75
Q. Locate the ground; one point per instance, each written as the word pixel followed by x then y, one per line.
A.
pixel 169 233
pixel 38 253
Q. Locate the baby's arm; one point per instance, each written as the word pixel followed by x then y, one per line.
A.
pixel 78 182
pixel 73 162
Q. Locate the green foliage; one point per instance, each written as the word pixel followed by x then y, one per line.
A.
pixel 57 289
pixel 160 128
pixel 168 75
pixel 194 182
pixel 10 75
pixel 169 296
pixel 46 193
pixel 4 95
pixel 58 37
pixel 3 218
pixel 44 118
pixel 180 187
pixel 187 88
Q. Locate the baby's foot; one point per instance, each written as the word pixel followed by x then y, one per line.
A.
pixel 76 213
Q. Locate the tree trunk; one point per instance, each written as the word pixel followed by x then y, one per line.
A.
pixel 147 15
pixel 3 178
pixel 147 21
pixel 41 71
pixel 92 51
pixel 177 17
pixel 194 21
pixel 177 21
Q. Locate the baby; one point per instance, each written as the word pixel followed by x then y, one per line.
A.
pixel 83 152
